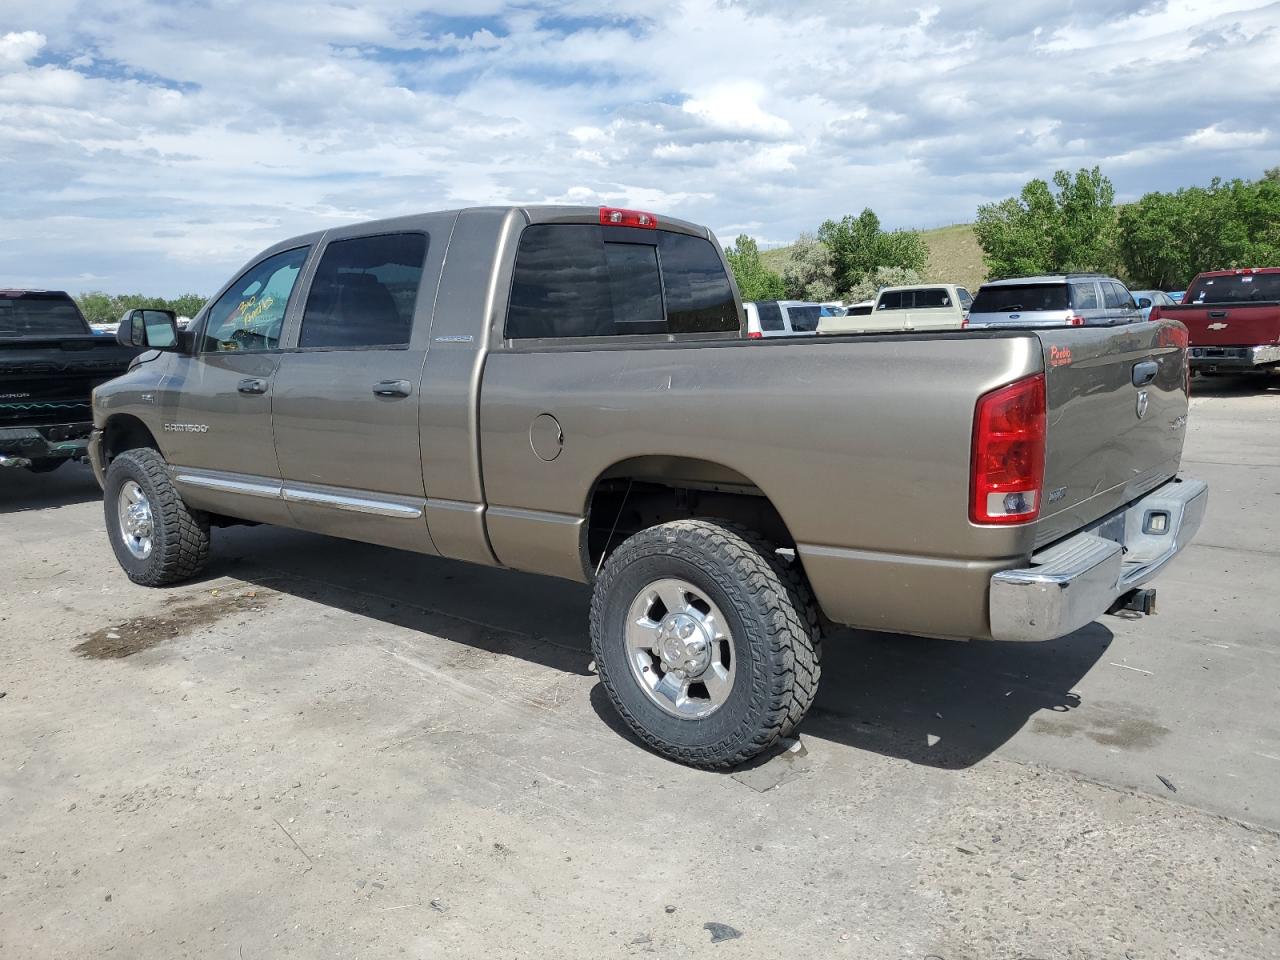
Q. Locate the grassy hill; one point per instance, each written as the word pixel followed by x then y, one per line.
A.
pixel 954 256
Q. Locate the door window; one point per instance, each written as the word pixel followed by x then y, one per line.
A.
pixel 1116 297
pixel 804 319
pixel 893 300
pixel 1084 296
pixel 249 316
pixel 364 292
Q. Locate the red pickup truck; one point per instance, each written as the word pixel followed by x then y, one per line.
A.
pixel 1233 317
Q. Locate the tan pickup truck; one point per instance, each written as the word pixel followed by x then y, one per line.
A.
pixel 569 391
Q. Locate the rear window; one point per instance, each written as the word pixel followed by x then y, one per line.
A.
pixel 585 280
pixel 804 319
pixel 699 298
pixel 770 315
pixel 860 311
pixel 1241 288
pixel 1020 298
pixel 39 315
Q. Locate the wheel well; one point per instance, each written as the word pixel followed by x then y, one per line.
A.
pixel 646 491
pixel 124 432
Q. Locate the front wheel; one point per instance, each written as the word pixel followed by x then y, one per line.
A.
pixel 157 539
pixel 705 642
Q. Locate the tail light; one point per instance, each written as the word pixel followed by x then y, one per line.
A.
pixel 754 335
pixel 615 217
pixel 1075 321
pixel 1008 453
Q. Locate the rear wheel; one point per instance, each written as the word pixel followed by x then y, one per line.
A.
pixel 157 539
pixel 706 643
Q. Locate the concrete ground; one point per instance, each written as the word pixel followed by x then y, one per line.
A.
pixel 323 749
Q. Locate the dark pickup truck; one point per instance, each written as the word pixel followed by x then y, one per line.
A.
pixel 50 361
pixel 1233 318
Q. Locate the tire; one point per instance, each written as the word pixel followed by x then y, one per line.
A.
pixel 179 536
pixel 772 647
pixel 46 464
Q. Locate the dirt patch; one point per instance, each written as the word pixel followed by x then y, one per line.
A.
pixel 185 614
pixel 1131 732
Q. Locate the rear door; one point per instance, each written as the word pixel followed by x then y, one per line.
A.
pixel 345 409
pixel 1117 406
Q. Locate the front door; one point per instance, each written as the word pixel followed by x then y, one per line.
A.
pixel 346 398
pixel 216 404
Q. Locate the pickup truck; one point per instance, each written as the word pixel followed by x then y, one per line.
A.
pixel 50 360
pixel 929 306
pixel 1233 318
pixel 569 391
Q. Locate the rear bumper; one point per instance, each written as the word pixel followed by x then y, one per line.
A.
pixel 20 445
pixel 1215 359
pixel 1075 581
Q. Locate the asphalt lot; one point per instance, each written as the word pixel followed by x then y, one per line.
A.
pixel 324 749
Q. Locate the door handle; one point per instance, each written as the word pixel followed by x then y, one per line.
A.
pixel 392 388
pixel 252 385
pixel 1145 372
pixel 1217 313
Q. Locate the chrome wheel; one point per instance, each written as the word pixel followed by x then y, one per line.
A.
pixel 680 649
pixel 137 525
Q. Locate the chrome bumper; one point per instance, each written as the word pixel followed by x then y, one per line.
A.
pixel 1233 358
pixel 1073 582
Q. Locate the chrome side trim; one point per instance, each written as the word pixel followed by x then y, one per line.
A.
pixel 227 484
pixel 462 506
pixel 341 501
pixel 541 516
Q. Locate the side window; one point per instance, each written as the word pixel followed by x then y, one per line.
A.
pixel 966 298
pixel 1084 296
pixel 1114 295
pixel 932 297
pixel 804 319
pixel 893 300
pixel 699 298
pixel 364 292
pixel 770 315
pixel 248 317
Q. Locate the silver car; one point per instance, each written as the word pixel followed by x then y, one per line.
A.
pixel 1072 300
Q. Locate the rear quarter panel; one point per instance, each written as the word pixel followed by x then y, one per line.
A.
pixel 862 445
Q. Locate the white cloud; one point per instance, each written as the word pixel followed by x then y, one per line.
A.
pixel 18 48
pixel 153 147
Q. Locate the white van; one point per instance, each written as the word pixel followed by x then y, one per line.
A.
pixel 781 318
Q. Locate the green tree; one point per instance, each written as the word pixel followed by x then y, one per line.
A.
pixel 99 307
pixel 807 274
pixel 859 245
pixel 187 305
pixel 755 280
pixel 1165 239
pixel 1072 228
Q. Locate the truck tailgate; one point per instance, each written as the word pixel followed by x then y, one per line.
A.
pixel 1117 413
pixel 1227 324
pixel 47 381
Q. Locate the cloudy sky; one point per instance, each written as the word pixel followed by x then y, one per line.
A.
pixel 153 147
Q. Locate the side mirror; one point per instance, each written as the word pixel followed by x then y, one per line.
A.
pixel 148 329
pixel 1144 302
